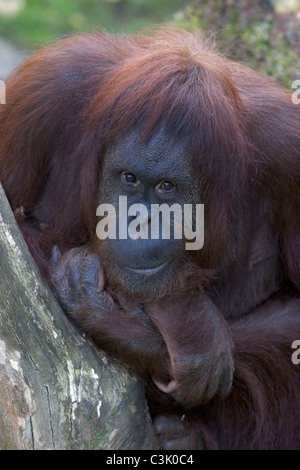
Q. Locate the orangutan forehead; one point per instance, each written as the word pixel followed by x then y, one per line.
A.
pixel 161 148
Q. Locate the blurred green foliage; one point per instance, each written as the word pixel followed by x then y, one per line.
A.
pixel 40 22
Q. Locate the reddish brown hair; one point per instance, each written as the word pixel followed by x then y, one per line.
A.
pixel 69 101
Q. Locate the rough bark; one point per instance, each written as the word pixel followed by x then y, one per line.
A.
pixel 56 391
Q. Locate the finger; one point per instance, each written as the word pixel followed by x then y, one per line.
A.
pixel 74 274
pixel 211 387
pixel 66 294
pixel 63 262
pixel 92 282
pixel 55 256
pixel 226 380
pixel 101 282
pixel 63 293
pixel 90 276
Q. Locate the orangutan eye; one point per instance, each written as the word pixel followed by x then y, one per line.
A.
pixel 166 186
pixel 129 178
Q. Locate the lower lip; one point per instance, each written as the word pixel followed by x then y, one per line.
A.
pixel 149 271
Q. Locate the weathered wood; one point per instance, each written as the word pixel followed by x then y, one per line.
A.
pixel 56 391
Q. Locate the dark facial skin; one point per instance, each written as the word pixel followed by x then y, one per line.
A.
pixel 156 172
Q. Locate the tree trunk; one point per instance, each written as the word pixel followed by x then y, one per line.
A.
pixel 56 391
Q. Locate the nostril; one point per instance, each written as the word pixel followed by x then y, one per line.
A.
pixel 170 387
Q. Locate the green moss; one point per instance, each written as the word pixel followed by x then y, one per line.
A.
pixel 41 22
pixel 251 34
